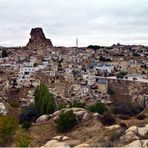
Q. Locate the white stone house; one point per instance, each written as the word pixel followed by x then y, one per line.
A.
pixel 104 67
pixel 26 72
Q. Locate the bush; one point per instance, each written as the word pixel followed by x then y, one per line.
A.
pixel 97 107
pixel 15 104
pixel 78 104
pixel 22 140
pixel 61 106
pixel 28 114
pixel 26 124
pixel 67 120
pixel 127 108
pixel 136 109
pixel 8 127
pixel 141 116
pixel 121 74
pixel 108 120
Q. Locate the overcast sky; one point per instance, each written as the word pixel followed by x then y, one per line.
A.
pixel 101 22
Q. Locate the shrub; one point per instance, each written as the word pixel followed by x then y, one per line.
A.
pixel 67 120
pixel 22 140
pixel 121 74
pixel 97 107
pixel 108 120
pixel 8 127
pixel 121 109
pixel 78 104
pixel 28 114
pixel 26 124
pixel 136 108
pixel 15 104
pixel 127 108
pixel 61 106
pixel 141 116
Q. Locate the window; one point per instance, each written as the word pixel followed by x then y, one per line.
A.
pixel 26 73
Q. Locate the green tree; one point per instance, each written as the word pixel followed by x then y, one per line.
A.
pixel 67 120
pixel 44 100
pixel 121 74
pixel 8 127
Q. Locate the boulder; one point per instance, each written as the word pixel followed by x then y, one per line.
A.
pixel 144 143
pixel 135 144
pixel 55 144
pixel 59 138
pixel 60 145
pixel 138 143
pixel 49 143
pixel 130 136
pixel 133 129
pixel 143 131
pixel 57 141
pixel 42 118
pixel 65 138
pixel 79 112
pixel 86 116
pixel 96 115
pixel 83 145
pixel 56 113
pixel 113 127
pixel 3 109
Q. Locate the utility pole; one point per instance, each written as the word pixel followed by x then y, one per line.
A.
pixel 77 42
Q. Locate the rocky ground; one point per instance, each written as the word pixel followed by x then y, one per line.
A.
pixel 90 132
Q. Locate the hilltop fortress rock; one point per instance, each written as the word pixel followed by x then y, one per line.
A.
pixel 38 40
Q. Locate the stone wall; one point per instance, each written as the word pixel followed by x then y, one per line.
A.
pixel 128 90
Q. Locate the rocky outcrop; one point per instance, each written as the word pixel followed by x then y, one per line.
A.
pixel 79 112
pixel 38 40
pixel 43 118
pixel 138 144
pixel 58 141
pixel 135 135
pixel 55 143
pixel 64 142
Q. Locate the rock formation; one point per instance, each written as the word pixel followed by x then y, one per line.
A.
pixel 38 40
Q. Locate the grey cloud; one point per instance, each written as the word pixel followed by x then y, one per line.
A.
pixel 92 21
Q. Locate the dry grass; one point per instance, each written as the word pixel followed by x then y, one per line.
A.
pixel 84 132
pixel 91 132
